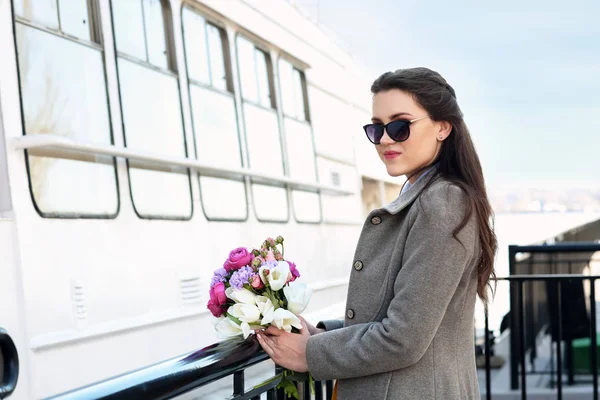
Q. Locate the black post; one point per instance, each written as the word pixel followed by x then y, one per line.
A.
pixel 522 341
pixel 318 390
pixel 569 361
pixel 593 336
pixel 279 393
pixel 307 394
pixel 328 390
pixel 559 342
pixel 238 383
pixel 488 377
pixel 514 340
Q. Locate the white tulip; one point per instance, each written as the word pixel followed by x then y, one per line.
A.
pixel 240 295
pixel 246 330
pixel 298 295
pixel 266 307
pixel 284 319
pixel 227 328
pixel 278 275
pixel 245 312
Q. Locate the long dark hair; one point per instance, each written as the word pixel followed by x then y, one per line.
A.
pixel 457 159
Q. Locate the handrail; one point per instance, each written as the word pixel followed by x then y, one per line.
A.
pixel 50 142
pixel 11 365
pixel 173 377
pixel 566 247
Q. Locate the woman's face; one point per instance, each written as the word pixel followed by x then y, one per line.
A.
pixel 424 142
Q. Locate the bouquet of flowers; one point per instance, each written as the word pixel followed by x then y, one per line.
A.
pixel 256 289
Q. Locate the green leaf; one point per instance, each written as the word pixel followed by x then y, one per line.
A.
pixel 234 319
pixel 289 388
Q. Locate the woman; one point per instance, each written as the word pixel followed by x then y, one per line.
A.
pixel 419 264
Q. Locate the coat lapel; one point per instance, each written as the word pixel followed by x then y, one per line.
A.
pixel 406 198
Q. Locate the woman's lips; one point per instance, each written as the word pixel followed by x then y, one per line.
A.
pixel 391 154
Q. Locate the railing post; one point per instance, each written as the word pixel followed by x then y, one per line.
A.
pixel 593 337
pixel 488 376
pixel 514 344
pixel 328 390
pixel 307 394
pixel 559 342
pixel 279 393
pixel 238 383
pixel 318 390
pixel 521 331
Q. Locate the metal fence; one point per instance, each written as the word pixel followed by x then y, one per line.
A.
pixel 552 303
pixel 180 375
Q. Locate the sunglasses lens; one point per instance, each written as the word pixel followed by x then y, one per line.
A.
pixel 398 130
pixel 374 132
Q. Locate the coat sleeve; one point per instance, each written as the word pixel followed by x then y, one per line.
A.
pixel 433 265
pixel 330 325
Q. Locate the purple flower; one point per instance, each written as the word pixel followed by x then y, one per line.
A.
pixel 293 271
pixel 219 276
pixel 241 277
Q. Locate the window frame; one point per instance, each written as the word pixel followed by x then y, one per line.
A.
pixel 229 91
pixel 171 71
pixel 258 44
pixel 307 121
pixel 95 43
pixel 169 31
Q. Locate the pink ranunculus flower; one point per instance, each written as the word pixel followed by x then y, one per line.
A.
pixel 214 308
pixel 217 293
pixel 238 258
pixel 293 272
pixel 217 299
pixel 270 256
pixel 257 283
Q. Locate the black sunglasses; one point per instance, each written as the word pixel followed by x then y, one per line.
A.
pixel 398 130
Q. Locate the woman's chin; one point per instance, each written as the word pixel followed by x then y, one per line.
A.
pixel 395 171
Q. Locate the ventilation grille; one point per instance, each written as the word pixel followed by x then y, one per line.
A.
pixel 191 290
pixel 78 297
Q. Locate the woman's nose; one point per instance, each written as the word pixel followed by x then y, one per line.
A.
pixel 386 139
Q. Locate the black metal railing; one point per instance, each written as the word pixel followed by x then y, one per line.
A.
pixel 552 302
pixel 180 375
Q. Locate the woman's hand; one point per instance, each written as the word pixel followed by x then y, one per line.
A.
pixel 311 328
pixel 286 349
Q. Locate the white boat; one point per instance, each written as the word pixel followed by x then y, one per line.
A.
pixel 141 141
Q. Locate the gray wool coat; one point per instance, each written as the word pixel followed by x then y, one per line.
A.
pixel 408 328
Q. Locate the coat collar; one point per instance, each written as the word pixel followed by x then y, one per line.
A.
pixel 410 195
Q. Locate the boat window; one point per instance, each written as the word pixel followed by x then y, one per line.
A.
pixel 64 93
pixel 214 116
pixel 299 141
pixel 151 107
pixel 265 152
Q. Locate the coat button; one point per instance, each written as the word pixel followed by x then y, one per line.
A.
pixel 350 313
pixel 376 220
pixel 358 265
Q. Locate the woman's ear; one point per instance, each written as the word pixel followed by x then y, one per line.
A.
pixel 444 129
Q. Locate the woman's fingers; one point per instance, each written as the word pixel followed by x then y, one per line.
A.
pixel 305 331
pixel 273 331
pixel 266 344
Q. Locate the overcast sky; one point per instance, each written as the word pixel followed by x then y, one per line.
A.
pixel 526 73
